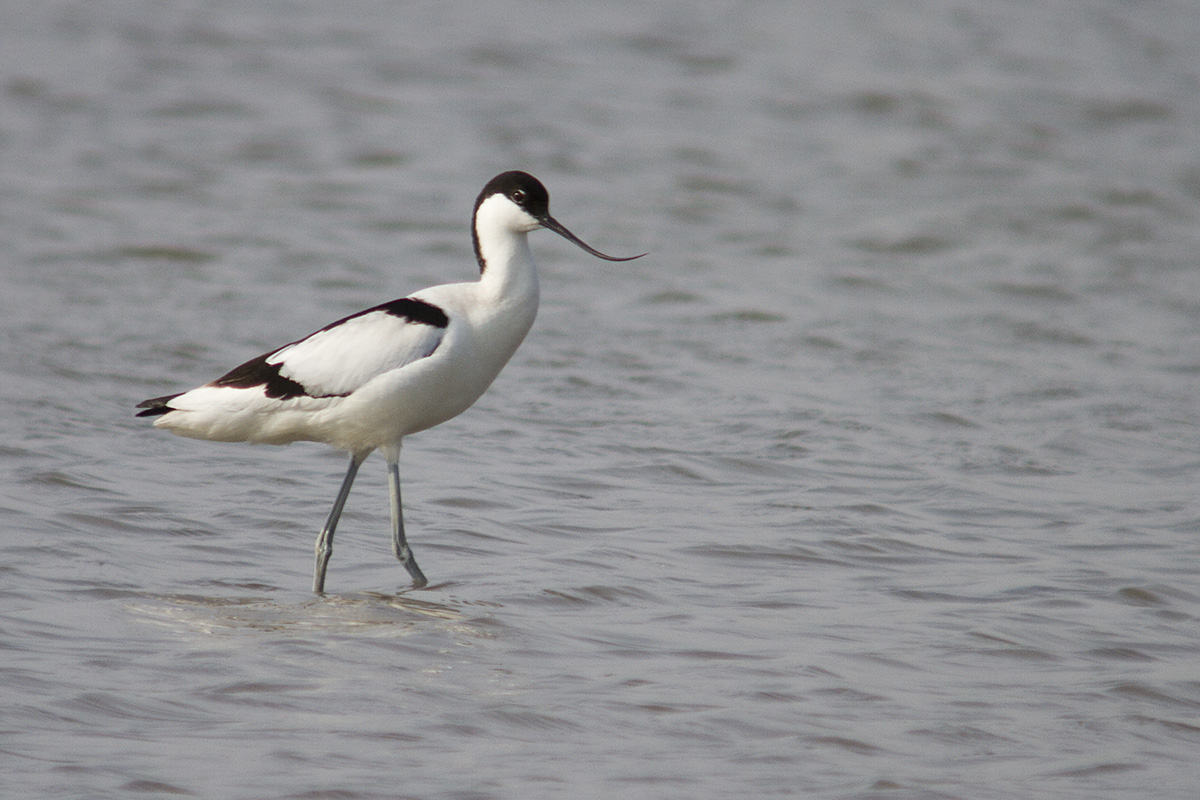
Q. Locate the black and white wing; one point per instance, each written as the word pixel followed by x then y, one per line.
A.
pixel 333 362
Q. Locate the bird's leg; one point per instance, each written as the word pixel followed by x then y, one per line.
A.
pixel 325 540
pixel 399 543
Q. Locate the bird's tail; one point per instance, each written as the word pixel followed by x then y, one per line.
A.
pixel 157 406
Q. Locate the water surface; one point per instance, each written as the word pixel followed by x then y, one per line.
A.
pixel 875 479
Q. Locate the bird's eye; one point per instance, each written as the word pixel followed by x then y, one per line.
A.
pixel 518 195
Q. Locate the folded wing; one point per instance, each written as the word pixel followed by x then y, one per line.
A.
pixel 333 362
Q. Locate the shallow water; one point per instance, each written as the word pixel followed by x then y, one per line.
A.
pixel 875 479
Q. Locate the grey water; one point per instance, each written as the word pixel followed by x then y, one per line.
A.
pixel 877 478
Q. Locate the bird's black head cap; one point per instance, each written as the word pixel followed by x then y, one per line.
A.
pixel 520 187
pixel 528 194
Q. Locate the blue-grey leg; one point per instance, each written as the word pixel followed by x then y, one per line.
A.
pixel 325 540
pixel 399 543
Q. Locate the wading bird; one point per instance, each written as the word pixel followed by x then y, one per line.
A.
pixel 365 382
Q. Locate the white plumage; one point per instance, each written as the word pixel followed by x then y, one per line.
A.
pixel 366 381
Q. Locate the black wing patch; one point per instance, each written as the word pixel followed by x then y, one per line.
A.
pixel 408 308
pixel 415 310
pixel 255 372
pixel 157 406
pixel 258 372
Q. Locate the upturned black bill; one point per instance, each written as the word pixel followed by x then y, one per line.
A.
pixel 550 223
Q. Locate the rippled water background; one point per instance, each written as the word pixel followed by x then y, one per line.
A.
pixel 877 478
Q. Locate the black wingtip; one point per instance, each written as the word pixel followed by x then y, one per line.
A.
pixel 156 406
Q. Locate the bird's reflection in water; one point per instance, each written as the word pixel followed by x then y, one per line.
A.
pixel 365 613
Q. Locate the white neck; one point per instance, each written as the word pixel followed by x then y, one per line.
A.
pixel 502 246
